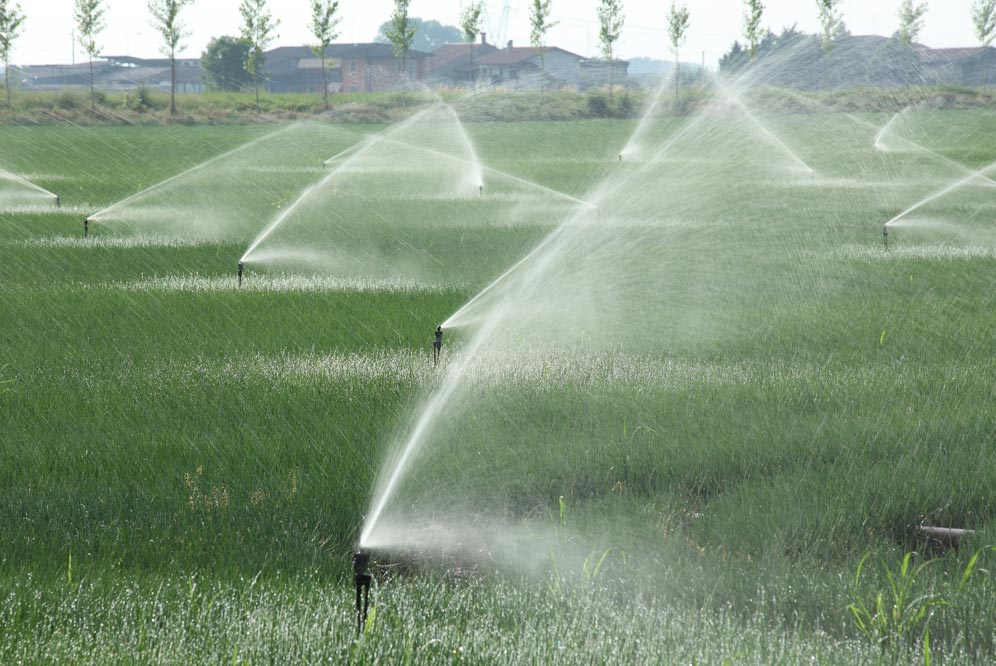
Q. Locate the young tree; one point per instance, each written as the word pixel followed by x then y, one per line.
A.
pixel 165 15
pixel 89 22
pixel 470 23
pixel 540 24
pixel 910 20
pixel 402 32
pixel 752 25
pixel 984 20
pixel 259 30
pixel 324 26
pixel 610 22
pixel 910 24
pixel 11 19
pixel 830 21
pixel 677 25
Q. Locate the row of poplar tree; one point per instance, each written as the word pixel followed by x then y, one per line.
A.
pixel 258 29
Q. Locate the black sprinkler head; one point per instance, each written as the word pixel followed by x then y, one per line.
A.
pixel 241 267
pixel 885 236
pixel 58 204
pixel 361 561
pixel 86 227
pixel 362 580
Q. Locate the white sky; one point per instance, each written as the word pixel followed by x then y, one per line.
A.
pixel 48 29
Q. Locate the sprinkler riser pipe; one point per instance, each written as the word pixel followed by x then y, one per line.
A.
pixel 885 236
pixel 362 579
pixel 241 267
pixel 86 227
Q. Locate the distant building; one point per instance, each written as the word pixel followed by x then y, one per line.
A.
pixel 450 64
pixel 797 60
pixel 124 73
pixel 528 66
pixel 55 77
pixel 369 67
pixel 115 74
pixel 970 67
pixel 596 73
pixel 374 68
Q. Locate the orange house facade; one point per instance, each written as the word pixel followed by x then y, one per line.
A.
pixel 374 68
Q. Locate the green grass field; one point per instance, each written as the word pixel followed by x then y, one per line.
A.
pixel 185 465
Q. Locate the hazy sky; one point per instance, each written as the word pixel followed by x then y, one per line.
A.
pixel 48 30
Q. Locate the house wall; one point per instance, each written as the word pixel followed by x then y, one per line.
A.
pixel 561 66
pixel 557 67
pixel 377 74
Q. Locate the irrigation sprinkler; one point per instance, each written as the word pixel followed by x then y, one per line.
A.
pixel 480 189
pixel 885 236
pixel 362 579
pixel 58 203
pixel 241 267
pixel 86 227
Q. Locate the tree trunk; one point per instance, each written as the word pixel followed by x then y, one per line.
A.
pixel 677 76
pixel 985 70
pixel 611 72
pixel 542 56
pixel 325 80
pixel 172 82
pixel 6 80
pixel 404 77
pixel 93 95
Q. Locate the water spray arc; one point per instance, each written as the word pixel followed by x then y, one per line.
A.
pixel 885 129
pixel 733 97
pixel 24 182
pixel 522 279
pixel 481 168
pixel 455 374
pixel 320 185
pixel 455 317
pixel 419 433
pixel 922 149
pixel 197 167
pixel 980 174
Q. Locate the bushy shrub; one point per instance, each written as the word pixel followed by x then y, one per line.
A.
pixel 138 100
pixel 598 106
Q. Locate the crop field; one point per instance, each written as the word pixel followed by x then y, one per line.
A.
pixel 700 420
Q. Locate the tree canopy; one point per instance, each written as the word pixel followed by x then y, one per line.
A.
pixel 222 62
pixel 429 35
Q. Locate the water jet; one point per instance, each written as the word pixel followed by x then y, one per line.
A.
pixel 362 580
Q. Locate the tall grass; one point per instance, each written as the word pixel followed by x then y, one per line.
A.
pixel 204 457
